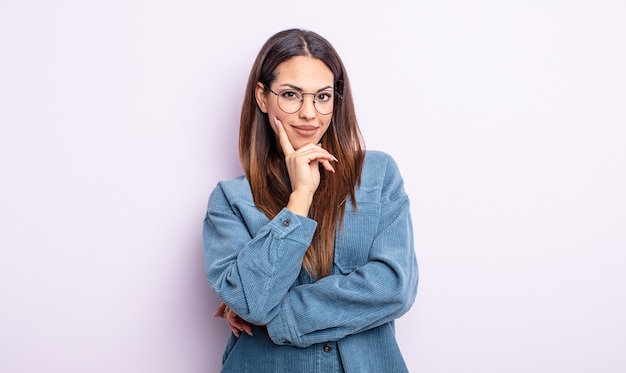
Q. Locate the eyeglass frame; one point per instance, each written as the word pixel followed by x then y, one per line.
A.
pixel 337 97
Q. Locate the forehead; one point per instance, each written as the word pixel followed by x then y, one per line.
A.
pixel 304 72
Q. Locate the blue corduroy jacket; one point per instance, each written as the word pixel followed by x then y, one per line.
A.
pixel 340 323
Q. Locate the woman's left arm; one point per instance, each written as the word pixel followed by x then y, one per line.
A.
pixel 381 290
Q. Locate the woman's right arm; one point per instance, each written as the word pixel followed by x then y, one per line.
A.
pixel 252 269
pixel 252 272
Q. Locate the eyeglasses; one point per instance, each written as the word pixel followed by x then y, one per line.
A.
pixel 291 100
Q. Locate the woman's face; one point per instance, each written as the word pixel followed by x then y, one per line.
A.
pixel 299 74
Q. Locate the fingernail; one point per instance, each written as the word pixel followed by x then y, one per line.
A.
pixel 249 333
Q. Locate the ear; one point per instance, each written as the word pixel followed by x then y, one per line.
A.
pixel 261 97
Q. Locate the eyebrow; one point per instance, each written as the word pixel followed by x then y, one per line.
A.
pixel 301 90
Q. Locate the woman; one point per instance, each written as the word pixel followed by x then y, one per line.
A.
pixel 311 251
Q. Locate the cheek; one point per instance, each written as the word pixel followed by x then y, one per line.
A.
pixel 327 125
pixel 274 111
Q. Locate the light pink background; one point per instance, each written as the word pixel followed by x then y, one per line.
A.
pixel 506 118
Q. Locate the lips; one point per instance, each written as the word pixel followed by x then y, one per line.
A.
pixel 306 131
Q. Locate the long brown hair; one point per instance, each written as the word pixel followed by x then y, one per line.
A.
pixel 262 159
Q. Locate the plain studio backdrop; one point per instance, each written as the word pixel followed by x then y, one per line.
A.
pixel 507 119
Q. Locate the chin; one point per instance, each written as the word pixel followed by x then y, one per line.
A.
pixel 297 145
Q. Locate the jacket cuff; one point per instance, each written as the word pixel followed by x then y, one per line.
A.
pixel 280 331
pixel 299 228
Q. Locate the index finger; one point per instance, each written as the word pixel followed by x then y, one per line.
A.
pixel 219 312
pixel 283 138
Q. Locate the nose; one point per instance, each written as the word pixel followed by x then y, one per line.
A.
pixel 307 111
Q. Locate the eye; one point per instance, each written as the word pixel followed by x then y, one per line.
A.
pixel 324 96
pixel 290 95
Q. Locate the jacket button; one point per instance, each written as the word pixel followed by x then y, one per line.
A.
pixel 286 341
pixel 326 348
pixel 286 223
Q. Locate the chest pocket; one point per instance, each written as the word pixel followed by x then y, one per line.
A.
pixel 353 244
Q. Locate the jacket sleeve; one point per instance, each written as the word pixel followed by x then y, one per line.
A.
pixel 252 272
pixel 378 292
